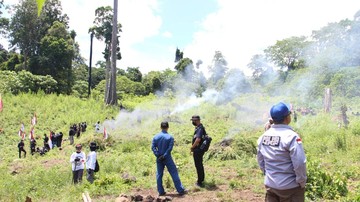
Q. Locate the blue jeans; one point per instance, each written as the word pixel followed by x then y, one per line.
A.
pixel 170 165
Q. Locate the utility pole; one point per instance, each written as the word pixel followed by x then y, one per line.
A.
pixel 91 43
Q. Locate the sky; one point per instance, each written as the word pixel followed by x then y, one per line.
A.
pixel 153 29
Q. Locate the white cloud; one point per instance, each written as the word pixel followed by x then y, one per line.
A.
pixel 167 34
pixel 138 20
pixel 240 29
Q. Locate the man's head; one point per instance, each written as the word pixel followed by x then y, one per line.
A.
pixel 93 146
pixel 164 125
pixel 195 120
pixel 78 147
pixel 280 113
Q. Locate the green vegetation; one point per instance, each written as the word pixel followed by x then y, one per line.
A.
pixel 49 77
pixel 127 163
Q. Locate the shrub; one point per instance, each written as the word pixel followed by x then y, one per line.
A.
pixel 321 184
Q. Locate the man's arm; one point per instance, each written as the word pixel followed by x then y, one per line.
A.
pixel 260 157
pixel 196 143
pixel 298 159
pixel 154 148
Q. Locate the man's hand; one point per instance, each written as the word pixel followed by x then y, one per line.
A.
pixel 161 158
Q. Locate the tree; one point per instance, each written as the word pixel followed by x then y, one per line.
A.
pixel 178 55
pixel 57 52
pixel 4 22
pixel 23 28
pixel 218 68
pixel 103 30
pixel 112 96
pixel 258 64
pixel 183 64
pixel 288 53
pixel 152 82
pixel 27 28
pixel 134 74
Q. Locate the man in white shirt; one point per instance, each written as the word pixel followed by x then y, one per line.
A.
pixel 77 160
pixel 91 162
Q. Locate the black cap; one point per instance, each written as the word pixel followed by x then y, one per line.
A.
pixel 195 117
pixel 164 124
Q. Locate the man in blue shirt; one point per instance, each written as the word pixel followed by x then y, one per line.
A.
pixel 162 145
pixel 282 159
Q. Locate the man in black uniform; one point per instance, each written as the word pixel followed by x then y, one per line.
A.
pixel 46 142
pixel 59 138
pixel 71 134
pixel 32 145
pixel 21 148
pixel 198 154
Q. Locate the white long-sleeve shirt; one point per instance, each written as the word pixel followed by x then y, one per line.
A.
pixel 91 160
pixel 77 165
pixel 282 158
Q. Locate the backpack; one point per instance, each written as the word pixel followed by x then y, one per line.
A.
pixel 97 167
pixel 205 142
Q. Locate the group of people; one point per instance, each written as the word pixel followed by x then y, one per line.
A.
pixel 280 156
pixel 76 129
pixel 55 140
pixel 78 160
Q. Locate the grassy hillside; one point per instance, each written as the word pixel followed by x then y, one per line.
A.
pixel 127 163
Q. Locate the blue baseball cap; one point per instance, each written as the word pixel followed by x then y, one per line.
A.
pixel 279 111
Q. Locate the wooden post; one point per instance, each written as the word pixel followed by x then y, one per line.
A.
pixel 327 100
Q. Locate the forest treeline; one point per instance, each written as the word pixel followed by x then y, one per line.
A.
pixel 43 54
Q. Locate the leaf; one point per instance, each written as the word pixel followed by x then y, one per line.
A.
pixel 40 4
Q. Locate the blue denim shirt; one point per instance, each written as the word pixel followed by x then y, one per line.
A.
pixel 162 144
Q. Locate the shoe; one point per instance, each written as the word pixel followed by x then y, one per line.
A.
pixel 162 194
pixel 184 192
pixel 199 185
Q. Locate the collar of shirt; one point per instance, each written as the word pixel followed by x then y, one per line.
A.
pixel 281 126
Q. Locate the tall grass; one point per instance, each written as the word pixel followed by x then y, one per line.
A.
pixel 127 151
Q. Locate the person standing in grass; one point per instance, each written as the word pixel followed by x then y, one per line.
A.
pixel 198 154
pixel 281 158
pixel 162 145
pixel 91 162
pixel 77 160
pixel 21 148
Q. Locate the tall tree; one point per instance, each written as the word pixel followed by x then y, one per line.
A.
pixel 24 28
pixel 57 52
pixel 27 28
pixel 102 29
pixel 178 55
pixel 258 64
pixel 4 22
pixel 288 53
pixel 112 96
pixel 218 68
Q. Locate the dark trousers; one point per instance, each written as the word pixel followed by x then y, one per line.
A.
pixel 289 195
pixel 198 160
pixel 77 176
pixel 32 150
pixel 90 175
pixel 22 150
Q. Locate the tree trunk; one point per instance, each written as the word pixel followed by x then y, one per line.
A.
pixel 112 97
pixel 107 76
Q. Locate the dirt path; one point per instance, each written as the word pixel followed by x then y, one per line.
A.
pixel 221 193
